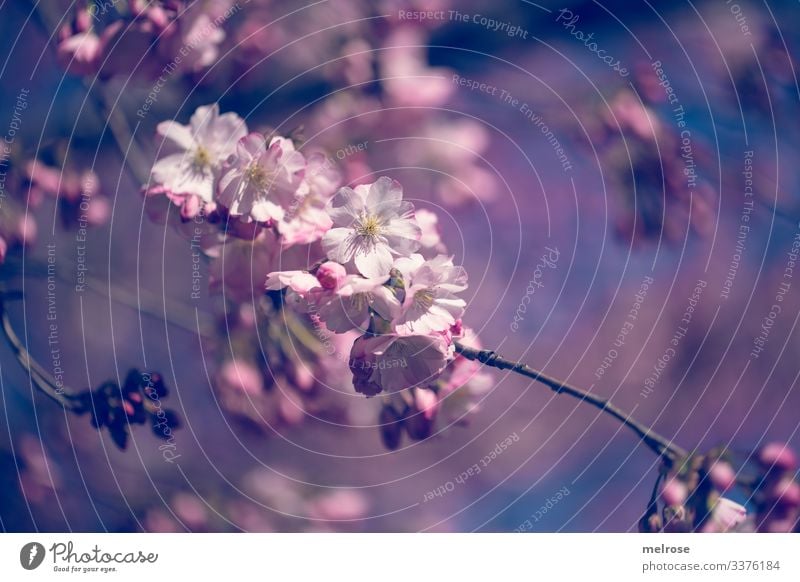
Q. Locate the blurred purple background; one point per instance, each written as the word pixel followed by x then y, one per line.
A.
pixel 740 94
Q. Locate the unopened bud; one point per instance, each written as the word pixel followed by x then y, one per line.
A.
pixel 391 428
pixel 778 456
pixel 330 275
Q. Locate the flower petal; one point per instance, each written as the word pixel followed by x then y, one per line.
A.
pixel 376 262
pixel 337 245
pixel 345 207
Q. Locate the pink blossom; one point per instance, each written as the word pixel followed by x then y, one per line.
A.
pixel 192 155
pixel 80 53
pixel 301 282
pixel 725 516
pixel 371 225
pixel 307 220
pixel 392 363
pixel 430 302
pixel 674 492
pixel 198 31
pixel 239 267
pixel 339 505
pixel 350 307
pixel 262 181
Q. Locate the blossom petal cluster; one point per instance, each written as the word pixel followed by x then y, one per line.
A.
pixel 359 261
pixel 216 165
pixel 385 277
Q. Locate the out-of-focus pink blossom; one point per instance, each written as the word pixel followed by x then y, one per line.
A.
pixel 725 516
pixel 340 505
pixel 80 49
pixel 674 492
pixel 778 456
pixel 722 476
pixel 240 376
pixel 190 510
pixel 406 75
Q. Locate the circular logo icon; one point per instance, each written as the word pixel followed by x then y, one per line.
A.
pixel 31 555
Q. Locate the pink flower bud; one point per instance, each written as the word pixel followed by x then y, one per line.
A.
pixel 778 456
pixel 26 230
pixel 722 475
pixel 330 275
pixel 674 492
pixel 786 492
pixel 83 20
pixel 190 207
pixel 3 250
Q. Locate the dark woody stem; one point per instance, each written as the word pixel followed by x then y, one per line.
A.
pixel 657 443
pixel 38 375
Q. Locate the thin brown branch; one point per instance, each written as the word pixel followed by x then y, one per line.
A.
pixel 38 375
pixel 657 443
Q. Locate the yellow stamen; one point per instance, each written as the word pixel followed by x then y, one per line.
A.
pixel 369 227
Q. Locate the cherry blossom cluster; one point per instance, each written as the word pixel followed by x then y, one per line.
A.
pixel 358 262
pixel 698 494
pixel 213 165
pixel 384 278
pixel 143 37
